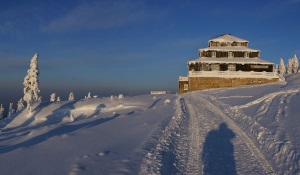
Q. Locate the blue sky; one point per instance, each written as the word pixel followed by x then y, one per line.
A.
pixel 127 46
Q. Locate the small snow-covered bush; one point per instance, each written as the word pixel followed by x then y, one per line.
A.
pixel 89 96
pixel 52 97
pixel 20 105
pixel 71 96
pixel 1 111
pixel 120 96
pixel 167 101
pixel 154 97
pixel 10 109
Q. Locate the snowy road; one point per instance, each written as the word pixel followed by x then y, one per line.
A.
pixel 207 141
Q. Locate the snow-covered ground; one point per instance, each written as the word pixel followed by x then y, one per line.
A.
pixel 243 130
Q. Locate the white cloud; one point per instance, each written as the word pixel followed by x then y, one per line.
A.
pixel 99 15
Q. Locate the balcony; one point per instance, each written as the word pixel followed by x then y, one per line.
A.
pixel 233 74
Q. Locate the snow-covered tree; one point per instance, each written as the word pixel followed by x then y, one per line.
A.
pixel 282 69
pixel 89 96
pixel 295 64
pixel 71 96
pixel 276 68
pixel 10 109
pixel 290 66
pixel 1 111
pixel 31 83
pixel 52 97
pixel 120 96
pixel 58 98
pixel 20 105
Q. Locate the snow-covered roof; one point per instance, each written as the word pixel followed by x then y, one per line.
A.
pixel 230 48
pixel 183 78
pixel 240 60
pixel 228 38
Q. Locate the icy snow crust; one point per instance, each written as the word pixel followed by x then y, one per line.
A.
pixel 245 130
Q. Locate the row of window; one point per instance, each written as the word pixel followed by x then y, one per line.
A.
pixel 217 44
pixel 216 54
pixel 230 67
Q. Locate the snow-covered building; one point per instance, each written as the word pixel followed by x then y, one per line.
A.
pixel 227 62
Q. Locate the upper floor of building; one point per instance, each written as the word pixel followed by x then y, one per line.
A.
pixel 228 46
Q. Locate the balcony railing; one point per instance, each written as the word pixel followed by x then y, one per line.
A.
pixel 233 74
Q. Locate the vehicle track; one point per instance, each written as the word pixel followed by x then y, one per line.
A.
pixel 210 116
pixel 185 137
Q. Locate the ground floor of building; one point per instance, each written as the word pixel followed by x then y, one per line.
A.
pixel 188 84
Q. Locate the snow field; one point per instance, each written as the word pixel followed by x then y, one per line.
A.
pixel 105 136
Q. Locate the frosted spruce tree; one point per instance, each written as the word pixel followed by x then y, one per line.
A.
pixel 52 97
pixel 295 64
pixel 89 96
pixel 58 98
pixel 282 70
pixel 1 111
pixel 290 66
pixel 276 68
pixel 31 83
pixel 71 96
pixel 10 109
pixel 20 105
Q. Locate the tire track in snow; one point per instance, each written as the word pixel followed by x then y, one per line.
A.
pixel 208 121
pixel 284 158
pixel 198 117
pixel 259 156
pixel 170 154
pixel 193 162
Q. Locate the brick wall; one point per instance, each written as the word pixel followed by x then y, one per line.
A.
pixel 200 83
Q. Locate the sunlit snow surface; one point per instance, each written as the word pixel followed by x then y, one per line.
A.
pixel 243 130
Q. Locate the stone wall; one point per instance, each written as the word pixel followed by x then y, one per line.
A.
pixel 200 83
pixel 181 86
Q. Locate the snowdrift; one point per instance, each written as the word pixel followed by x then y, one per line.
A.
pixel 93 136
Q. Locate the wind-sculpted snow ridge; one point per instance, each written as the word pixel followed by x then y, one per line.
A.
pixel 267 98
pixel 170 154
pixel 281 154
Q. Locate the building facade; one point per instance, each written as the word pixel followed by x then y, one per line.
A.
pixel 227 62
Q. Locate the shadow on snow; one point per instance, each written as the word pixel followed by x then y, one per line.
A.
pixel 60 130
pixel 218 152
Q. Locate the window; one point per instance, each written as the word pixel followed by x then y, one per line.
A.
pixel 230 55
pixel 231 67
pixel 246 54
pixel 213 54
pixel 215 67
pixel 186 87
